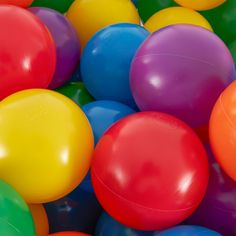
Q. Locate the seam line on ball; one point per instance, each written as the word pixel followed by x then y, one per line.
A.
pixel 137 204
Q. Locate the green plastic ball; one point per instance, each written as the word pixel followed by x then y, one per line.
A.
pixel 147 8
pixel 77 92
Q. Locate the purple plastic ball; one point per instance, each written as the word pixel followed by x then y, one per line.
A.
pixel 218 209
pixel 181 70
pixel 66 41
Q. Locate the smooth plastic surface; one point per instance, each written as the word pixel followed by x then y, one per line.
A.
pixel 222 130
pixel 181 70
pixel 66 42
pixel 58 5
pixel 77 92
pixel 27 51
pixel 40 219
pixel 102 115
pixel 15 216
pixel 147 8
pixel 223 20
pixel 90 16
pixel 187 230
pixel 106 61
pixel 217 211
pixel 20 3
pixel 69 234
pixel 46 144
pixel 78 211
pixel 107 226
pixel 150 171
pixel 176 15
pixel 200 5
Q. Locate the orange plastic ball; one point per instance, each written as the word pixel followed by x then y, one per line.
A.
pixel 223 130
pixel 40 219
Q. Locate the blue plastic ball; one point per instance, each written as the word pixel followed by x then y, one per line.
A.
pixel 106 62
pixel 107 226
pixel 187 230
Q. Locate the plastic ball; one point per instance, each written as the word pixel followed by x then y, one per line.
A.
pixel 90 16
pixel 102 115
pixel 58 5
pixel 106 61
pixel 69 234
pixel 20 3
pixel 232 48
pixel 27 51
pixel 107 226
pixel 222 131
pixel 181 70
pixel 217 211
pixel 78 211
pixel 200 5
pixel 40 219
pixel 142 182
pixel 187 230
pixel 66 41
pixel 147 8
pixel 176 15
pixel 77 92
pixel 223 20
pixel 16 219
pixel 46 144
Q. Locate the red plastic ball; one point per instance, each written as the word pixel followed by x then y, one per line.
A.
pixel 69 234
pixel 27 51
pixel 20 3
pixel 150 171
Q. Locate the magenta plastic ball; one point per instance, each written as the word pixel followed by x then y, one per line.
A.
pixel 218 209
pixel 181 70
pixel 66 41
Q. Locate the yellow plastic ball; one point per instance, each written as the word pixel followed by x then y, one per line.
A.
pixel 200 5
pixel 40 219
pixel 46 144
pixel 176 15
pixel 89 16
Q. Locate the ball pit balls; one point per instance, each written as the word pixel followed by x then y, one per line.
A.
pixel 107 226
pixel 187 230
pixel 40 219
pixel 217 210
pixel 90 16
pixel 223 20
pixel 146 10
pixel 176 15
pixel 69 234
pixel 46 144
pixel 181 70
pixel 20 3
pixel 106 61
pixel 103 114
pixel 66 41
pixel 142 182
pixel 78 211
pixel 27 51
pixel 222 130
pixel 58 5
pixel 77 92
pixel 200 5
pixel 15 215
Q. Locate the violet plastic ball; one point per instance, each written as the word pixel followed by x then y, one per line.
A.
pixel 181 70
pixel 218 209
pixel 66 41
